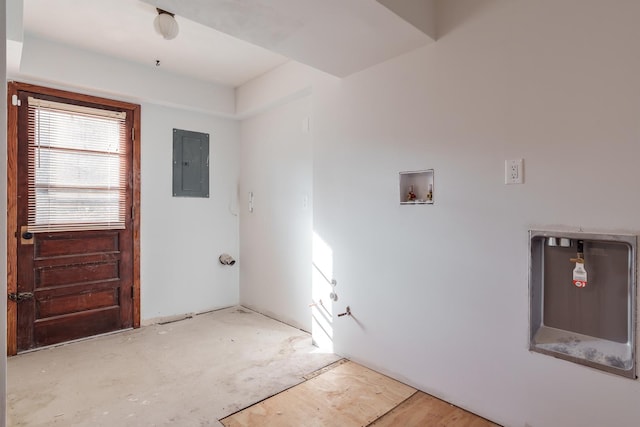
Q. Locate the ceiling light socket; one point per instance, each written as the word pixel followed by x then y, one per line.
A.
pixel 164 11
pixel 165 24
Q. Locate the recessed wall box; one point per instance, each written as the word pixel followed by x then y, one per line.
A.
pixel 589 321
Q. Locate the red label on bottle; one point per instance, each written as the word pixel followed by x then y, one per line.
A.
pixel 580 283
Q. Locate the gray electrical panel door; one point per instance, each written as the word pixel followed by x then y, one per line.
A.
pixel 190 164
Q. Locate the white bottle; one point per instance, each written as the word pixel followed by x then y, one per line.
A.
pixel 580 275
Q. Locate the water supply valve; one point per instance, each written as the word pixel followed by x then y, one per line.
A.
pixel 579 272
pixel 226 259
pixel 346 313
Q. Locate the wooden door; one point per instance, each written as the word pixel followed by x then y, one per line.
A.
pixel 80 281
pixel 81 285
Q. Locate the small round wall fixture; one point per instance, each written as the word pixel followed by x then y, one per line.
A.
pixel 165 24
pixel 226 259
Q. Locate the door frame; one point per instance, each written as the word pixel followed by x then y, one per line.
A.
pixel 12 197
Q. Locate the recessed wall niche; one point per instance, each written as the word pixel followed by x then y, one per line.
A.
pixel 416 187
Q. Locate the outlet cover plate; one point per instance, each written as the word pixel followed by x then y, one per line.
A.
pixel 514 171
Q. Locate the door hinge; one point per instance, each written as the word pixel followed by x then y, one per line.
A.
pixel 20 296
pixel 15 101
pixel 132 292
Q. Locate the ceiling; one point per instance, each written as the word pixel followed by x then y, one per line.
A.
pixel 233 41
pixel 124 29
pixel 340 37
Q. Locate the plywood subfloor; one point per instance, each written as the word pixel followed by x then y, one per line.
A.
pixel 347 395
pixel 422 409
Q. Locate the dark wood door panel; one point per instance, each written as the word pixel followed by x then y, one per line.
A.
pixel 75 302
pixel 98 258
pixel 77 288
pixel 78 273
pixel 61 244
pixel 78 325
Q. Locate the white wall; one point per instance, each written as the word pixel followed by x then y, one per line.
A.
pixel 55 63
pixel 285 83
pixel 181 238
pixel 439 293
pixel 275 239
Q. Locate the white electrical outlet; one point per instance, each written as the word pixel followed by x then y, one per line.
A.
pixel 514 171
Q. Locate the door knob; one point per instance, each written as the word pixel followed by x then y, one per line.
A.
pixel 26 237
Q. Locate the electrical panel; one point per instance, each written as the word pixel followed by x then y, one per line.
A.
pixel 190 164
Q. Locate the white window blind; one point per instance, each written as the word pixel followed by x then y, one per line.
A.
pixel 77 167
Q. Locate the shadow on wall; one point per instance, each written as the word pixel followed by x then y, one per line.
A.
pixel 458 12
pixel 322 288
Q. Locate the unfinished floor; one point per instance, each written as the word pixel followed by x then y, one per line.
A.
pixel 188 373
pixel 232 365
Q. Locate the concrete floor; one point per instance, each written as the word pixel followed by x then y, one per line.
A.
pixel 188 373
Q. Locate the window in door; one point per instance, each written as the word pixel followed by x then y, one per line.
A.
pixel 77 167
